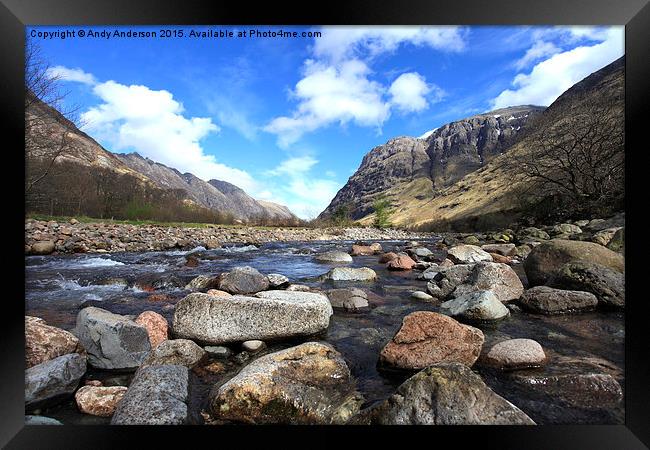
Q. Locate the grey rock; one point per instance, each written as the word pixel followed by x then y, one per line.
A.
pixel 531 234
pixel 158 395
pixel 277 280
pixel 468 254
pixel 202 282
pixel 178 352
pixel 334 256
pixel 350 274
pixel 444 394
pixel 547 300
pixel 253 346
pixel 53 379
pixel 514 354
pixel 565 228
pixel 41 420
pixel 499 278
pixel 243 280
pixel 606 284
pixel 479 306
pixel 269 315
pixel 350 299
pixel 112 341
pixel 419 295
pixel 218 351
pixel 501 249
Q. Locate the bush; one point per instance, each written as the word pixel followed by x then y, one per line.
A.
pixel 381 206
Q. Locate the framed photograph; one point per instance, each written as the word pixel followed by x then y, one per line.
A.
pixel 363 219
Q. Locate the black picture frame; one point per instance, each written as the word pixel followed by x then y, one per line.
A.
pixel 634 14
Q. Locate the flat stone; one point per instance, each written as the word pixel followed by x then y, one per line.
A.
pixel 515 354
pixel 547 300
pixel 243 280
pixel 53 379
pixel 350 299
pixel 218 351
pixel 334 256
pixel 178 352
pixel 350 274
pixel 467 254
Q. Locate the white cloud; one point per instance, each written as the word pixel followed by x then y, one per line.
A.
pixel 410 90
pixel 66 74
pixel 539 50
pixel 344 42
pixel 329 94
pixel 136 118
pixel 303 193
pixel 337 88
pixel 551 77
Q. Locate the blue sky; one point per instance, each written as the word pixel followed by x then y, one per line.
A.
pixel 290 119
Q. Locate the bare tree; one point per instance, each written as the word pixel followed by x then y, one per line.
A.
pixel 579 157
pixel 47 133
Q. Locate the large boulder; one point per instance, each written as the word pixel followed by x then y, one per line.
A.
pixel 547 300
pixel 334 256
pixel 202 282
pixel 499 278
pixel 467 254
pixel 476 306
pixel 427 338
pixel 269 315
pixel 112 341
pixel 178 352
pixel 99 400
pixel 545 259
pixel 514 354
pixel 604 237
pixel 156 326
pixel 53 379
pixel 351 299
pixel 158 395
pixel 243 280
pixel 42 247
pixel 444 394
pixel 361 250
pixel 419 252
pixel 44 342
pixel 350 274
pixel 306 384
pixel 606 284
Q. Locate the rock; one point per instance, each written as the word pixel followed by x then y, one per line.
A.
pixel 617 243
pixel 532 234
pixel 427 338
pixel 298 288
pixel 158 395
pixel 44 342
pixel 156 326
pixel 467 254
pixel 545 259
pixel 73 221
pixel 501 249
pixel 253 346
pixel 515 354
pixel 521 251
pixel 243 280
pixel 565 228
pixel 99 401
pixel 419 252
pixel 419 295
pixel 476 306
pixel 606 284
pixel 444 394
pixel 202 282
pixel 581 223
pixel 546 300
pixel 350 274
pixel 112 341
pixel 41 420
pixel 191 261
pixel 269 315
pixel 500 258
pixel 603 237
pixel 306 384
pixel 42 247
pixel 218 293
pixel 429 274
pixel 401 263
pixel 218 351
pixel 447 279
pixel 471 240
pixel 351 299
pixel 334 256
pixel 53 379
pixel 496 277
pixel 361 250
pixel 177 352
pixel 277 280
pixel 387 257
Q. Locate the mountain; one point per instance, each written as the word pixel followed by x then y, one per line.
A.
pixel 48 132
pixel 435 160
pixel 470 174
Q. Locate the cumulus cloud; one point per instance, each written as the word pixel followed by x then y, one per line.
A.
pixel 551 77
pixel 330 94
pixel 67 74
pixel 344 42
pixel 300 190
pixel 539 50
pixel 153 123
pixel 410 90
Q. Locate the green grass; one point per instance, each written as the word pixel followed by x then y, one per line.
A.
pixel 85 219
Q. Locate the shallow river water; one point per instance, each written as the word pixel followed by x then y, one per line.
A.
pixel 57 287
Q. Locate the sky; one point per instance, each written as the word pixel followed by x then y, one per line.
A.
pixel 289 119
